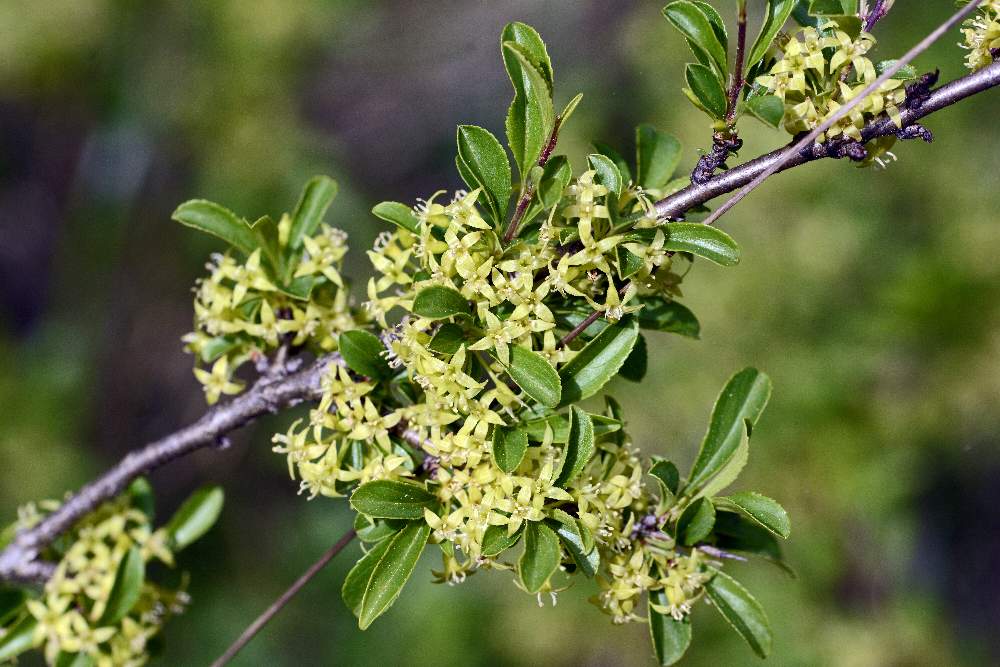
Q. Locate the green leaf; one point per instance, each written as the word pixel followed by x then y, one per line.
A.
pixel 531 117
pixel 588 560
pixel 761 509
pixel 737 534
pixel 218 221
pixel 447 339
pixel 599 361
pixel 541 556
pixel 608 174
pixel 731 470
pixel 560 427
pixel 126 589
pixel 73 660
pixel 193 519
pixel 579 447
pixel 634 368
pixel 833 7
pixel 11 603
pixel 671 637
pixel 437 302
pixel 216 347
pixel 375 530
pixel 316 197
pixel 778 12
pixel 703 241
pixel 662 314
pixel 398 214
pixel 696 522
pixel 667 473
pixel 768 109
pixel 905 73
pixel 715 19
pixel 363 353
pixel 742 611
pixel 18 639
pixel 389 499
pixel 535 375
pixel 392 571
pixel 569 108
pixel 496 540
pixel 696 27
pixel 140 493
pixel 616 157
pixel 488 168
pixel 704 83
pixel 509 447
pixel 301 288
pixel 628 262
pixel 656 156
pixel 742 400
pixel 356 581
pixel 556 176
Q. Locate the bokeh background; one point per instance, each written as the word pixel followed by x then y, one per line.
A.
pixel 871 298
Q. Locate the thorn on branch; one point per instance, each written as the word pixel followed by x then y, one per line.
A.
pixel 723 145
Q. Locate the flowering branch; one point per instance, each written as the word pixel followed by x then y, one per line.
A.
pixel 19 560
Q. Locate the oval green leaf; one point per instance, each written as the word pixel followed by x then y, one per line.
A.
pixel 392 571
pixel 437 302
pixel 531 116
pixel 634 368
pixel 707 87
pixel 496 540
pixel 389 499
pixel 316 197
pixel 778 12
pixel 702 241
pixel 218 221
pixel 356 581
pixel 742 400
pixel 193 519
pixel 579 446
pixel 742 611
pixel 768 109
pixel 126 589
pixel 18 639
pixel 608 174
pixel 662 314
pixel 761 509
pixel 697 29
pixel 671 637
pixel 398 214
pixel 363 353
pixel 535 375
pixel 586 557
pixel 599 361
pixel 509 447
pixel 541 556
pixel 656 156
pixel 488 168
pixel 696 522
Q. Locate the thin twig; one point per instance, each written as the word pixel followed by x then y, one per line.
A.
pixel 278 604
pixel 18 560
pixel 736 84
pixel 529 189
pixel 843 111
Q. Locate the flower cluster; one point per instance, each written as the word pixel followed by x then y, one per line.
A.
pixel 242 312
pixel 80 611
pixel 820 70
pixel 982 36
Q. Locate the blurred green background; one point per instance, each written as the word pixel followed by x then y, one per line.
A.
pixel 871 298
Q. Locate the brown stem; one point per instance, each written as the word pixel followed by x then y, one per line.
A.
pixel 529 190
pixel 278 604
pixel 737 80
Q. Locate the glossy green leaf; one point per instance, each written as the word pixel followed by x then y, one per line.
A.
pixel 509 447
pixel 716 21
pixel 496 540
pixel 398 214
pixel 634 368
pixel 587 560
pixel 662 314
pixel 761 509
pixel 579 448
pixel 657 155
pixel 696 522
pixel 769 109
pixel 742 400
pixel 737 534
pixel 905 73
pixel 671 637
pixel 11 603
pixel 392 570
pixel 74 660
pixel 541 556
pixel 707 88
pixel 628 262
pixel 127 587
pixel 599 361
pixel 667 473
pixel 616 157
pixel 301 288
pixel 560 427
pixel 702 241
pixel 363 353
pixel 218 346
pixel 833 7
pixel 437 302
pixel 555 178
pixel 218 221
pixel 569 108
pixel 778 12
pixel 140 493
pixel 742 611
pixel 196 516
pixel 731 470
pixel 316 197
pixel 531 117
pixel 375 530
pixel 696 27
pixel 18 639
pixel 447 339
pixel 608 174
pixel 356 581
pixel 488 168
pixel 535 375
pixel 389 499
